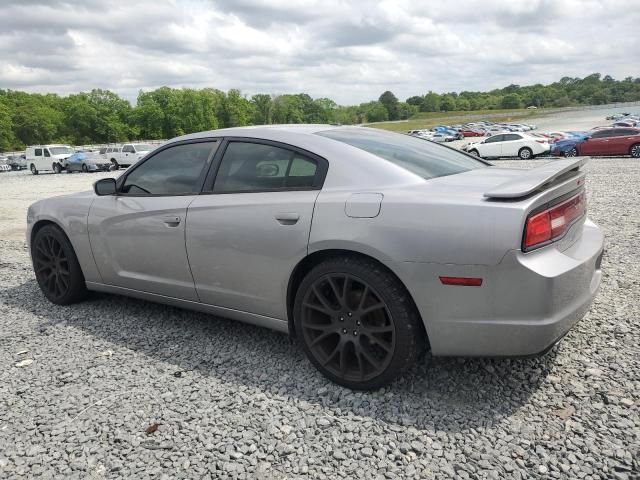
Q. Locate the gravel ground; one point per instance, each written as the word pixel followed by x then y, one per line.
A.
pixel 79 385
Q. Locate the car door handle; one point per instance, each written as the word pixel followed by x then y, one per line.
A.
pixel 172 221
pixel 287 218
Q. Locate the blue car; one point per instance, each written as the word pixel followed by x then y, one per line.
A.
pixel 566 146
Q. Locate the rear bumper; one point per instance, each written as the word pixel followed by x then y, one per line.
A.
pixel 525 305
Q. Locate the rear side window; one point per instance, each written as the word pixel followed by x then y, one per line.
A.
pixel 176 170
pixel 495 138
pixel 38 152
pixel 603 134
pixel 46 153
pixel 127 149
pixel 426 159
pixel 511 136
pixel 253 167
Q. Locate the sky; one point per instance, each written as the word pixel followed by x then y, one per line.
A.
pixel 350 51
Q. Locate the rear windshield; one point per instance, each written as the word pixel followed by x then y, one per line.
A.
pixel 424 158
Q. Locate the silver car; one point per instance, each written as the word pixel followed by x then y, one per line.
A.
pixel 368 246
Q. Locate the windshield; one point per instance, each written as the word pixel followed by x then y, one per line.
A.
pixel 60 150
pixel 424 158
pixel 142 147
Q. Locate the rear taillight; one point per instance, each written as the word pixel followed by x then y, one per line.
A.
pixel 551 224
pixel 542 141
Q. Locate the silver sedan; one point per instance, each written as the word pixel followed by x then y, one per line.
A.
pixel 368 246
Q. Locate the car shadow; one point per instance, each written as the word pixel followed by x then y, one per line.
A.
pixel 448 394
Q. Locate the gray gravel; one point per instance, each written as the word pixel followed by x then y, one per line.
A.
pixel 236 401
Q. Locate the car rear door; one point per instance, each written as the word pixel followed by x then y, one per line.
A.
pixel 622 141
pixel 138 235
pixel 246 235
pixel 510 144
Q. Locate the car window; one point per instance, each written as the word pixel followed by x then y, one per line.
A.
pixel 426 159
pixel 247 167
pixel 603 134
pixel 38 152
pixel 127 149
pixel 495 138
pixel 46 153
pixel 511 136
pixel 172 171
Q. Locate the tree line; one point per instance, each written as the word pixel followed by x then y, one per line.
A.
pixel 101 116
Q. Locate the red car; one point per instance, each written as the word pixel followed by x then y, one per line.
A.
pixel 471 133
pixel 609 142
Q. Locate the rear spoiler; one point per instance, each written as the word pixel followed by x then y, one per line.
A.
pixel 536 178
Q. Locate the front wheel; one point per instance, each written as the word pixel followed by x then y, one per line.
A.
pixel 116 165
pixel 85 169
pixel 34 170
pixel 573 152
pixel 525 153
pixel 635 150
pixel 357 323
pixel 56 266
pixel 474 152
pixel 56 168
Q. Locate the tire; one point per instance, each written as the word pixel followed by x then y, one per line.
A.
pixel 85 169
pixel 474 152
pixel 56 267
pixel 33 169
pixel 116 165
pixel 56 168
pixel 364 346
pixel 571 153
pixel 634 151
pixel 525 153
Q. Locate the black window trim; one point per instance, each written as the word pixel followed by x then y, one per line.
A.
pixel 201 179
pixel 318 182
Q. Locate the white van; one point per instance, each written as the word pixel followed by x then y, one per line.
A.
pixel 41 158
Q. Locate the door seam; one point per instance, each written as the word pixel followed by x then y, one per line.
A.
pixel 186 250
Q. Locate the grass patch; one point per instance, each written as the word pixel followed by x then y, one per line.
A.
pixel 431 119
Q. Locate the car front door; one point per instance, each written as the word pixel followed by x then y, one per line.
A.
pixel 245 237
pixel 138 235
pixel 491 147
pixel 597 144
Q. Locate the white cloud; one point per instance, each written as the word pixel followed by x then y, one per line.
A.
pixel 346 50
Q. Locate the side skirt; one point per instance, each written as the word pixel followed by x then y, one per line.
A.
pixel 252 318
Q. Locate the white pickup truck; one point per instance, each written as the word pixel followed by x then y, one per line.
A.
pixel 129 154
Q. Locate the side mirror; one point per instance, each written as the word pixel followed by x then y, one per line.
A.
pixel 105 186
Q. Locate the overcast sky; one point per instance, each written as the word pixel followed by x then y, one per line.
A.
pixel 350 51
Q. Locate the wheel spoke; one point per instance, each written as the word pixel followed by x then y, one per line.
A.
pixel 334 287
pixel 363 297
pixel 318 308
pixel 385 346
pixel 343 359
pixel 321 337
pixel 42 250
pixel 331 355
pixel 320 327
pixel 374 363
pixel 372 308
pixel 360 363
pixel 377 329
pixel 322 299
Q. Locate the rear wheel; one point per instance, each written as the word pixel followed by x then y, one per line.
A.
pixel 474 152
pixel 525 153
pixel 33 168
pixel 56 266
pixel 357 323
pixel 573 152
pixel 635 150
pixel 85 169
pixel 116 166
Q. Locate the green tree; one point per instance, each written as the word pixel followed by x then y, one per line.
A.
pixel 390 102
pixel 263 109
pixel 7 139
pixel 431 102
pixel 448 103
pixel 511 100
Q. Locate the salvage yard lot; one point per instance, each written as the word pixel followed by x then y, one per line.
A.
pixel 238 401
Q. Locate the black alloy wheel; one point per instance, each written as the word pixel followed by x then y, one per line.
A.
pixel 571 153
pixel 34 170
pixel 357 323
pixel 56 168
pixel 85 169
pixel 56 266
pixel 635 150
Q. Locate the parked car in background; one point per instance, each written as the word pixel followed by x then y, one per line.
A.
pixel 17 162
pixel 4 165
pixel 129 154
pixel 86 162
pixel 431 248
pixel 608 142
pixel 42 158
pixel 565 146
pixel 466 132
pixel 520 145
pixel 440 137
